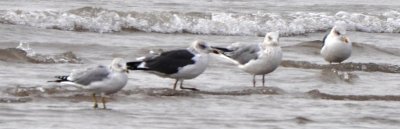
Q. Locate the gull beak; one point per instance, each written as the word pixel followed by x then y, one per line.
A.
pixel 345 39
pixel 216 51
pixel 219 50
pixel 213 50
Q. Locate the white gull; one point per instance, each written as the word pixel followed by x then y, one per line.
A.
pixel 100 80
pixel 336 45
pixel 256 59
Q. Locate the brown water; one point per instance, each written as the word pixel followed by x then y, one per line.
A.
pixel 304 92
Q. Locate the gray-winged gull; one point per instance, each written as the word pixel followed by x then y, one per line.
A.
pixel 256 59
pixel 100 80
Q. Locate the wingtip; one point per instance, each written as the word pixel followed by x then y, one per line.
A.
pixel 220 50
pixel 60 79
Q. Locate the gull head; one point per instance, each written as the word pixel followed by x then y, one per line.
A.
pixel 119 65
pixel 340 33
pixel 201 47
pixel 271 39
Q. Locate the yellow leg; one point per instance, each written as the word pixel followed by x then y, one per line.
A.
pixel 103 100
pixel 95 101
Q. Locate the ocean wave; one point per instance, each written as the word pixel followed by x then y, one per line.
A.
pixel 216 23
pixel 320 95
pixel 65 92
pixel 15 100
pixel 24 54
pixel 348 66
pixel 314 48
pixel 26 94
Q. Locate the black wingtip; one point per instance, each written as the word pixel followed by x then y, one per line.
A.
pixel 132 65
pixel 60 79
pixel 135 65
pixel 222 49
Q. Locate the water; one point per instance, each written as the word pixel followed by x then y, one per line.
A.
pixel 304 92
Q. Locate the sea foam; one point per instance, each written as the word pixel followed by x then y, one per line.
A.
pixel 213 23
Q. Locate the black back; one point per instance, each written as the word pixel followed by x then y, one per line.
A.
pixel 169 62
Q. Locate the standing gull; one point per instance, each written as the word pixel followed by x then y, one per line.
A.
pixel 336 45
pixel 256 59
pixel 177 64
pixel 101 79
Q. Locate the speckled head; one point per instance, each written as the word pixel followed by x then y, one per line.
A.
pixel 340 32
pixel 272 39
pixel 201 47
pixel 119 65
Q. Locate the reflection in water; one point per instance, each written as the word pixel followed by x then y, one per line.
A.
pixel 349 66
pixel 319 95
pixel 333 76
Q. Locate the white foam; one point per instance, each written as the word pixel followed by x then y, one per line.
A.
pixel 102 20
pixel 66 57
pixel 25 46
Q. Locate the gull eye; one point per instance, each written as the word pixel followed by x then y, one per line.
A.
pixel 269 38
pixel 202 46
pixel 119 65
pixel 337 32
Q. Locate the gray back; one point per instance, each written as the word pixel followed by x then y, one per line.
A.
pixel 243 53
pixel 89 75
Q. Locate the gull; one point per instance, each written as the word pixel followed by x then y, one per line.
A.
pixel 255 59
pixel 336 46
pixel 181 64
pixel 101 80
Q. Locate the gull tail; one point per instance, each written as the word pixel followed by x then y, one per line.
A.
pixel 229 58
pixel 136 65
pixel 64 80
pixel 223 53
pixel 60 79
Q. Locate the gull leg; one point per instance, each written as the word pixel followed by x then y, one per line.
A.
pixel 263 80
pixel 193 89
pixel 176 82
pixel 103 100
pixel 254 80
pixel 95 101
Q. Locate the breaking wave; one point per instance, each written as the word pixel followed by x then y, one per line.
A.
pixel 217 23
pixel 24 54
